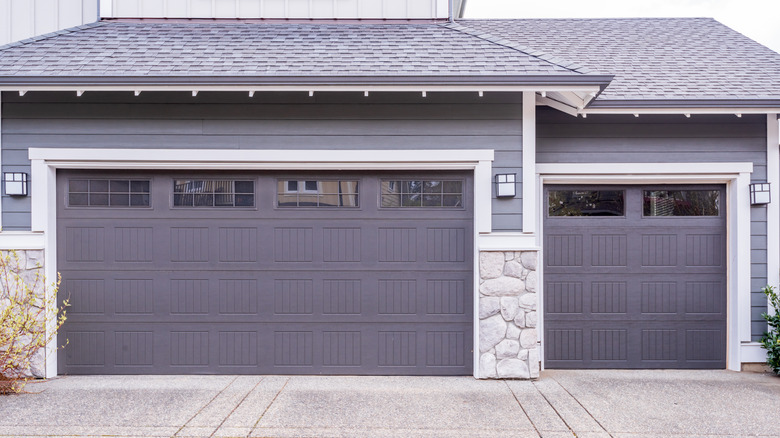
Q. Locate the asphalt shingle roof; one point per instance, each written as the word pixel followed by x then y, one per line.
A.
pixel 653 58
pixel 262 49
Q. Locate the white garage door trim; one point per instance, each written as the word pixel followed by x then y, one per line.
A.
pixel 736 176
pixel 46 161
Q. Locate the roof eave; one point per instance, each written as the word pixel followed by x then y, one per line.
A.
pixel 573 83
pixel 627 104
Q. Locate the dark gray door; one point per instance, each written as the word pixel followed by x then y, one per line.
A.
pixel 266 273
pixel 635 277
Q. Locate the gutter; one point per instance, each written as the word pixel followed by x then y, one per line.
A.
pixel 684 103
pixel 87 82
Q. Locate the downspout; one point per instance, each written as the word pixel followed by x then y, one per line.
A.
pixel 451 16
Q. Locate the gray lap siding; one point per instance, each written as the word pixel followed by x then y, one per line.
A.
pixel 667 138
pixel 328 121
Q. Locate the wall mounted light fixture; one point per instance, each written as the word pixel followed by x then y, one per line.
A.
pixel 505 185
pixel 760 194
pixel 15 183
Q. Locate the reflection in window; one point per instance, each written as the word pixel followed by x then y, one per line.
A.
pixel 317 193
pixel 213 193
pixel 681 202
pixel 586 203
pixel 108 193
pixel 422 193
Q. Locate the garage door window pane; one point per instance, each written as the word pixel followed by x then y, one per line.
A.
pixel 108 193
pixel 317 193
pixel 421 193
pixel 586 203
pixel 213 193
pixel 681 203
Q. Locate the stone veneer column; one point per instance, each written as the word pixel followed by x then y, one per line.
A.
pixel 508 340
pixel 30 267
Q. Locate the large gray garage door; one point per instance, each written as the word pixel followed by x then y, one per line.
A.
pixel 260 273
pixel 635 277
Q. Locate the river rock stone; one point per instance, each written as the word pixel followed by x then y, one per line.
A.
pixel 513 269
pixel 507 349
pixel 530 281
pixel 528 301
pixel 509 308
pixel 533 361
pixel 487 366
pixel 512 331
pixel 530 319
pixel 528 259
pixel 512 369
pixel 528 338
pixel 519 320
pixel 491 264
pixel 491 331
pixel 502 287
pixel 489 306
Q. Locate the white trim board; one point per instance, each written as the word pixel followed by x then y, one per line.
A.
pixel 679 111
pixel 18 240
pixel 45 163
pixel 736 176
pixel 317 88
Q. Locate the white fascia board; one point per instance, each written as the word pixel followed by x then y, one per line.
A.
pixel 401 88
pixel 261 159
pixel 663 169
pixel 507 242
pixel 680 111
pixel 19 240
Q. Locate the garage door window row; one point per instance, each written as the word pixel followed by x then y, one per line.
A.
pixel 188 193
pixel 656 203
pixel 108 193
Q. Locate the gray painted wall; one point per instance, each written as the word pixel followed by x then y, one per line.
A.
pixel 675 138
pixel 267 121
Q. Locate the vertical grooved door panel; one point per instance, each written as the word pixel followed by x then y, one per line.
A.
pixel 256 285
pixel 643 288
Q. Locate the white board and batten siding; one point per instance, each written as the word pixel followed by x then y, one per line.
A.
pixel 276 9
pixel 22 19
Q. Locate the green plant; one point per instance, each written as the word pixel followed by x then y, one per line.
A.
pixel 771 339
pixel 29 319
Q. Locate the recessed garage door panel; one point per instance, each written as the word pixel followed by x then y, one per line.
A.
pixel 263 289
pixel 634 290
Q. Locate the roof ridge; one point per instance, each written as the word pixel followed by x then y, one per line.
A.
pixel 568 65
pixel 56 33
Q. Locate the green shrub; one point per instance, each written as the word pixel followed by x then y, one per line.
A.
pixel 28 307
pixel 771 339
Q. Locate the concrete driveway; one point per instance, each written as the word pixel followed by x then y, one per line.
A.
pixel 561 404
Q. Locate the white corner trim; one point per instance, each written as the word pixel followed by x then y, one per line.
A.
pixel 10 240
pixel 529 162
pixel 507 242
pixel 752 352
pixel 736 176
pixel 773 209
pixel 661 169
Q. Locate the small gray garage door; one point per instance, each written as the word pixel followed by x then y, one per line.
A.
pixel 635 277
pixel 248 273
